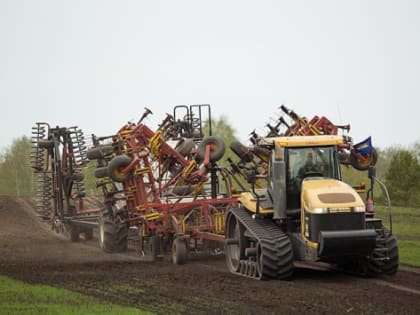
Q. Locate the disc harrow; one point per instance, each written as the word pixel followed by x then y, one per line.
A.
pixel 57 158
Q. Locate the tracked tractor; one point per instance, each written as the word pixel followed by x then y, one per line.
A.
pixel 306 213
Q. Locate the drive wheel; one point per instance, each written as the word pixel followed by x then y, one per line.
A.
pixel 179 251
pixel 235 243
pixel 113 234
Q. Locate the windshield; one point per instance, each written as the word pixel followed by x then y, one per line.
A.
pixel 304 162
pixel 314 161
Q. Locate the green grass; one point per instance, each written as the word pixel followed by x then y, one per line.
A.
pixel 409 252
pixel 17 297
pixel 406 228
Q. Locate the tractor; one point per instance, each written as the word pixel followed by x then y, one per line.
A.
pixel 306 212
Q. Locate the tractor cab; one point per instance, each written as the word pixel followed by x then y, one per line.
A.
pixel 306 162
pixel 295 160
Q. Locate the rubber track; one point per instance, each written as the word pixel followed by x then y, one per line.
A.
pixel 277 251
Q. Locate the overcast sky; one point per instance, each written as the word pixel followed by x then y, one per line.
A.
pixel 97 64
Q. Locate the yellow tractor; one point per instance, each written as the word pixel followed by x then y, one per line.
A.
pixel 306 213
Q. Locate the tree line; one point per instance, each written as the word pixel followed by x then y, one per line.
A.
pixel 397 167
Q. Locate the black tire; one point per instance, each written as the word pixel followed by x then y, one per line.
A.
pixel 377 263
pixel 363 165
pixel 183 190
pixel 387 247
pixel 217 149
pixel 179 251
pixel 101 172
pixel 88 234
pixel 99 152
pixel 275 258
pixel 391 266
pixel 241 151
pixel 185 146
pixel 262 153
pixel 154 245
pixel 115 167
pixel 113 235
pixel 78 177
pixel 74 233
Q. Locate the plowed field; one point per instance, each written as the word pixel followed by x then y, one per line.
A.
pixel 29 251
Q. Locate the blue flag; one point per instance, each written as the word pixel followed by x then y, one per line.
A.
pixel 364 147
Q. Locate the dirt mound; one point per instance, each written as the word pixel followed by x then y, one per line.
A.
pixel 30 251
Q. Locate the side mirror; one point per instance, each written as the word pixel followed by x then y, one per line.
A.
pixel 251 176
pixel 371 171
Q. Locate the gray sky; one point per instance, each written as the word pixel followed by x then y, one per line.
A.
pixel 96 64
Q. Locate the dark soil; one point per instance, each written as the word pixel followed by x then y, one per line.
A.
pixel 29 251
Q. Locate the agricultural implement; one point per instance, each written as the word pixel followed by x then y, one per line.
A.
pixel 58 157
pixel 164 184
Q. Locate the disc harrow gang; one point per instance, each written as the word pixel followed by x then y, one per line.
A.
pixel 37 156
pixel 43 195
pixel 58 157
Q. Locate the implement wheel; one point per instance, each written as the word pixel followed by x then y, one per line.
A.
pixel 74 233
pixel 185 146
pixel 153 244
pixel 113 234
pixel 99 152
pixel 116 167
pixel 241 151
pixel 217 149
pixel 179 251
pixel 363 161
pixel 101 172
pixel 88 232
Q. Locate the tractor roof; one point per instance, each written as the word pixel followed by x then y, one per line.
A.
pixel 304 141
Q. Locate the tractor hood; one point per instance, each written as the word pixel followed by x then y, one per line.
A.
pixel 326 195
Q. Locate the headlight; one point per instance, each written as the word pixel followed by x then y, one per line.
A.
pixel 338 210
pixel 320 210
pixel 359 209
